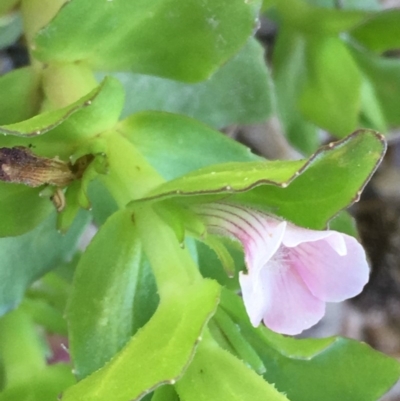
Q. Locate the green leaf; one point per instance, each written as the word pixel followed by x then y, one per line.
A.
pixel 328 369
pixel 289 61
pixel 19 339
pixel 372 5
pixel 348 4
pixel 229 178
pixel 45 315
pixel 211 266
pixel 54 288
pixel 371 109
pixel 45 122
pixel 44 385
pixel 218 246
pixel 381 32
pixel 10 28
pixel 384 76
pixel 241 347
pixel 216 375
pixel 76 195
pixel 126 35
pixel 66 128
pixel 118 292
pixel 31 380
pixel 164 347
pixel 103 204
pixel 239 92
pixel 308 193
pixel 7 5
pixel 331 96
pixel 176 145
pixel 165 393
pixel 46 300
pixel 344 223
pixel 32 208
pixel 22 100
pixel 67 215
pixel 330 181
pixel 317 20
pixel 345 370
pixel 27 257
pixel 266 4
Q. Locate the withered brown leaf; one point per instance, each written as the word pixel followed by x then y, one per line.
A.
pixel 20 165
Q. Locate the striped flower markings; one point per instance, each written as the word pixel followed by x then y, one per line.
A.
pixel 291 271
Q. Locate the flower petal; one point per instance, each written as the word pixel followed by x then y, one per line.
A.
pixel 255 300
pixel 331 276
pixel 260 236
pixel 292 271
pixel 296 235
pixel 281 298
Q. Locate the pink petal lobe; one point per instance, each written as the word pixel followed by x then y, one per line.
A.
pixel 331 276
pixel 255 301
pixel 280 297
pixel 295 236
pixel 263 248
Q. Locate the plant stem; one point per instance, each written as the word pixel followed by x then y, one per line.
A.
pixel 172 265
pixel 130 176
pixel 36 14
pixel 64 84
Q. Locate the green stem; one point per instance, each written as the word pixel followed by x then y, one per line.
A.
pixel 64 84
pixel 36 14
pixel 130 176
pixel 172 265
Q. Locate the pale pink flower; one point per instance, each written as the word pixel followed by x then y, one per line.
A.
pixel 291 271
